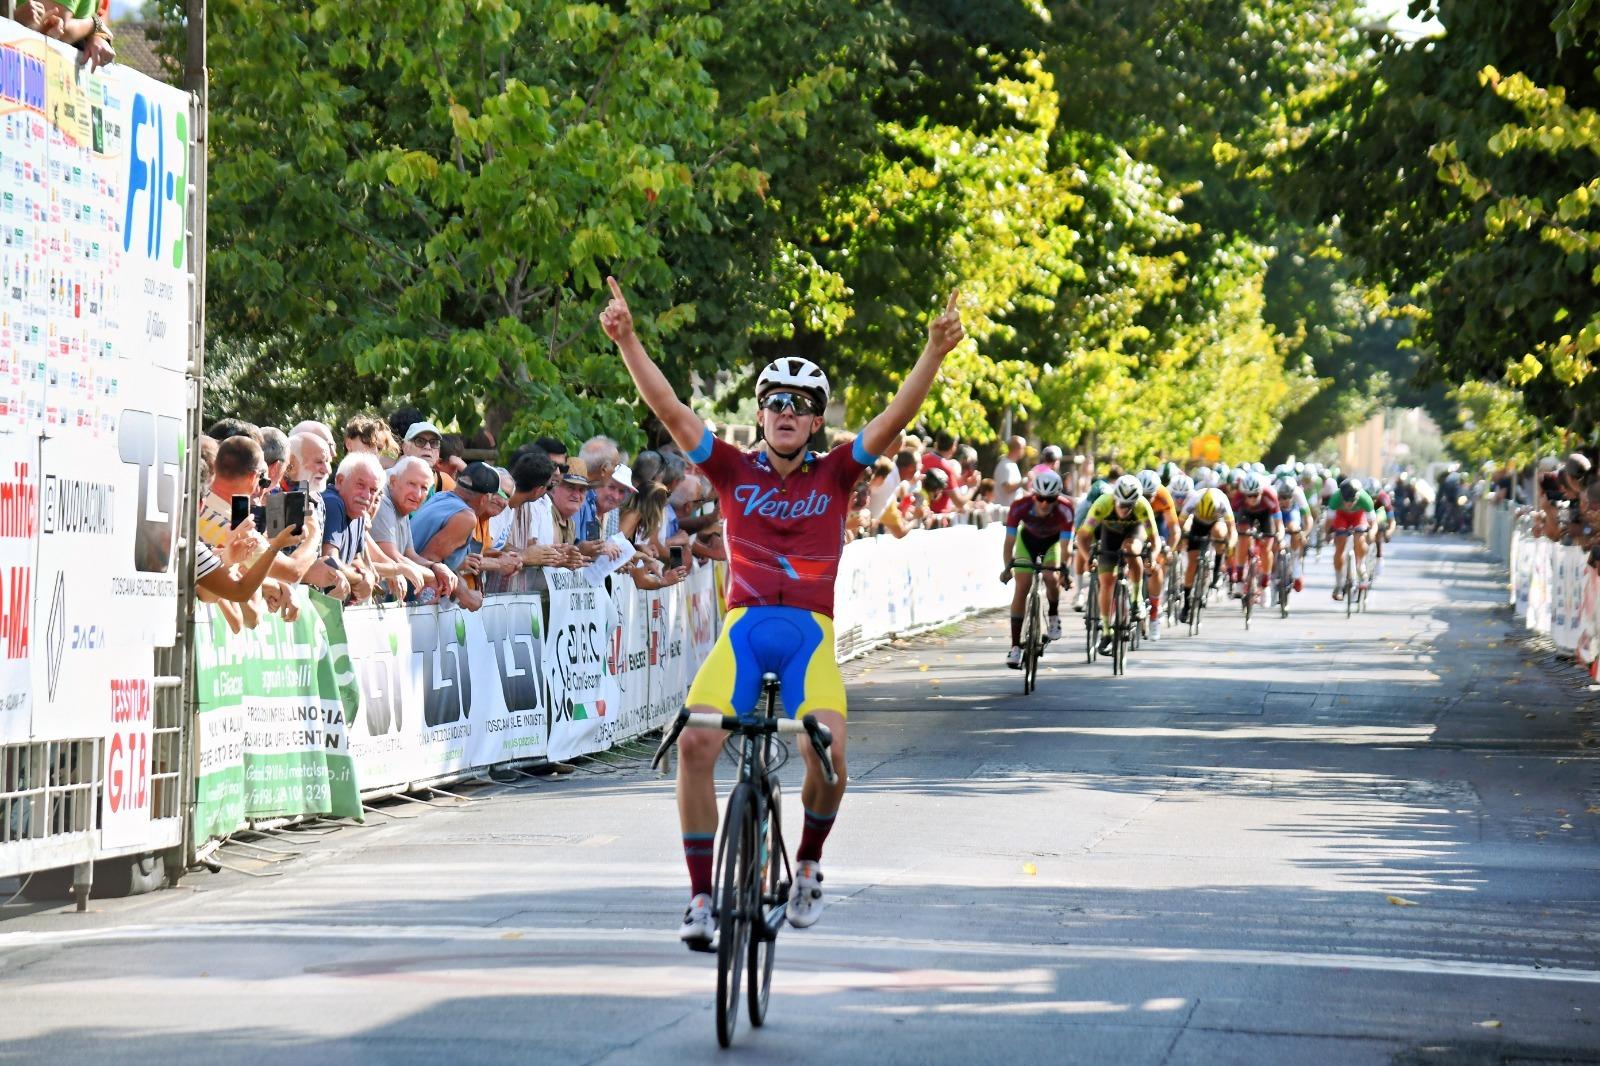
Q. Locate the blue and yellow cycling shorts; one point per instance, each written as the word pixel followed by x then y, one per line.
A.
pixel 791 642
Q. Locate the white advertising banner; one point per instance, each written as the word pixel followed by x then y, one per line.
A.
pixel 1566 595
pixel 444 690
pixel 94 338
pixel 583 688
pixel 629 657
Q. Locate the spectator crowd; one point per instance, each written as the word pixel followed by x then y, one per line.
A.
pixel 389 510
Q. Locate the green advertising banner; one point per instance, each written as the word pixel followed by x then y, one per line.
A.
pixel 274 706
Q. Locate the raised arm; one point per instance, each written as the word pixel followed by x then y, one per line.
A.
pixel 686 427
pixel 944 333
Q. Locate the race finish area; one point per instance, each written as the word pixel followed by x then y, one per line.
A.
pixel 1358 840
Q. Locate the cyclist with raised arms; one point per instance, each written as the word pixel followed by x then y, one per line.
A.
pixel 1035 527
pixel 785 509
pixel 1206 514
pixel 1125 524
pixel 1351 509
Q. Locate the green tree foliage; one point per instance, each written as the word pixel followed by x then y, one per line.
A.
pixel 1461 173
pixel 424 206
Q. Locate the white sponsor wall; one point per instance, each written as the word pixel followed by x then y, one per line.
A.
pixel 95 313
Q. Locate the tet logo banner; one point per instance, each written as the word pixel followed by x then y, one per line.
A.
pixel 155 445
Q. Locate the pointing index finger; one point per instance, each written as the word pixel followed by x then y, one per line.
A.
pixel 616 290
pixel 955 294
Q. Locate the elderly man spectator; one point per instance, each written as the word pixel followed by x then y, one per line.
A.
pixel 317 429
pixel 1008 472
pixel 600 455
pixel 344 533
pixel 492 561
pixel 567 494
pixel 274 451
pixel 406 491
pixel 443 527
pixel 423 439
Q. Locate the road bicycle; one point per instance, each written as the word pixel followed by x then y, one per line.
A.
pixel 752 886
pixel 1091 614
pixel 1033 625
pixel 1124 627
pixel 1354 589
pixel 1207 568
pixel 1283 579
pixel 1177 559
pixel 1252 570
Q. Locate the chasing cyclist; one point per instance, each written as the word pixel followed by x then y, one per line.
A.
pixel 1036 525
pixel 1207 514
pixel 1126 525
pixel 785 511
pixel 1351 509
pixel 1166 512
pixel 1256 507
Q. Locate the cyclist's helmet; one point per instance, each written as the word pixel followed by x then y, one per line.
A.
pixel 1285 488
pixel 1169 471
pixel 1372 486
pixel 1099 487
pixel 793 372
pixel 1348 489
pixel 1236 477
pixel 1182 484
pixel 1222 472
pixel 1149 483
pixel 1047 485
pixel 1250 483
pixel 1207 509
pixel 1127 491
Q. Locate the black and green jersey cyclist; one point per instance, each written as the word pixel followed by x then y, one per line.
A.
pixel 1124 523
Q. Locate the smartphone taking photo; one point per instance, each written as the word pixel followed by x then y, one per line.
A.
pixel 675 556
pixel 241 511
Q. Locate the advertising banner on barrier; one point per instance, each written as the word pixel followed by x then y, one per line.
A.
pixel 1587 647
pixel 94 336
pixel 583 689
pixel 442 690
pixel 629 658
pixel 272 722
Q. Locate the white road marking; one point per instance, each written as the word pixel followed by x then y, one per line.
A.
pixel 864 947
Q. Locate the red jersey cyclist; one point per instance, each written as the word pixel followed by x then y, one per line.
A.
pixel 784 508
pixel 1037 525
pixel 1256 507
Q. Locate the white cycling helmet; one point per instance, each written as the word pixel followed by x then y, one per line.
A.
pixel 1182 484
pixel 1127 491
pixel 1149 483
pixel 793 372
pixel 1048 484
pixel 1285 488
pixel 1250 484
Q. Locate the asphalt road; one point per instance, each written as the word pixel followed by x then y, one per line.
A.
pixel 1321 841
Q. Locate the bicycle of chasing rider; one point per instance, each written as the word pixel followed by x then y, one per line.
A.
pixel 1124 625
pixel 1354 589
pixel 1250 587
pixel 1034 636
pixel 754 875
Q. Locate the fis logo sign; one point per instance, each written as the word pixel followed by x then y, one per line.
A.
pixel 158 182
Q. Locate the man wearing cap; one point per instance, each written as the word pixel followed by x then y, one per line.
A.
pixel 442 528
pixel 423 440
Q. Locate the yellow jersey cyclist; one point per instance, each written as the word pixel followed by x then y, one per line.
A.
pixel 1120 522
pixel 1166 511
pixel 1207 514
pixel 785 509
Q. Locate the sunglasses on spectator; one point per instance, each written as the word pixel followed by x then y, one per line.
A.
pixel 798 402
pixel 425 441
pixel 262 480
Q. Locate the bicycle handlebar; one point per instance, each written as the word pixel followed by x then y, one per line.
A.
pixel 820 736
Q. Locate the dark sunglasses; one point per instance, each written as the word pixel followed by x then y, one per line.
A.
pixel 798 402
pixel 262 480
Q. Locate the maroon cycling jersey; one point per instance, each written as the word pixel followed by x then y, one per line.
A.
pixel 784 535
pixel 1266 503
pixel 1039 528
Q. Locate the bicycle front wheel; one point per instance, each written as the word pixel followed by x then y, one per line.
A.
pixel 764 934
pixel 735 880
pixel 1123 622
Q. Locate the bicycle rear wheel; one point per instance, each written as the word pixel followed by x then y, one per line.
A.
pixel 1349 591
pixel 735 886
pixel 764 937
pixel 1285 582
